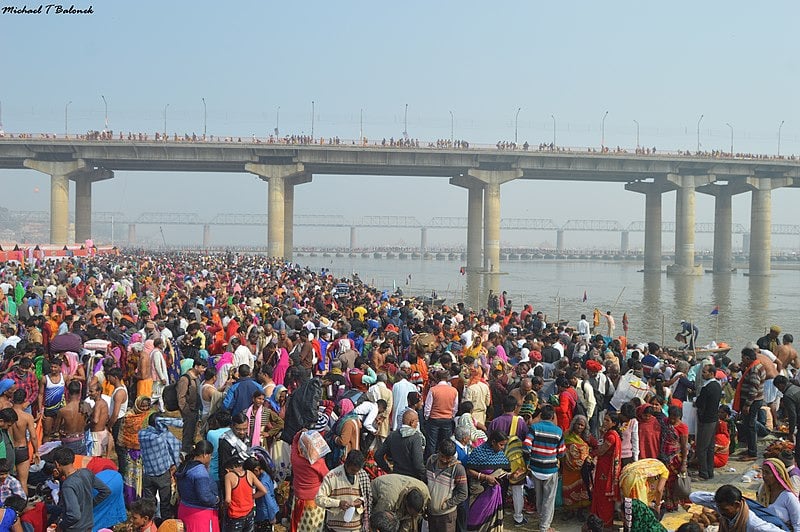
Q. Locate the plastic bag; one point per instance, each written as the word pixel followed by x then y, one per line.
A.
pixel 629 386
pixel 313 446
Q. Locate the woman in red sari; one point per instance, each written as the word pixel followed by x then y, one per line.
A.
pixel 675 451
pixel 606 474
pixel 649 432
pixel 567 399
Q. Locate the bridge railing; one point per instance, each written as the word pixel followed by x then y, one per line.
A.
pixel 383 143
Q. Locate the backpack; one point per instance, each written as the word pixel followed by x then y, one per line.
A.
pixel 515 454
pixel 170 395
pixel 580 408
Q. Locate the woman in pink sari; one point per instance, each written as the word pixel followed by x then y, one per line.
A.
pixel 279 374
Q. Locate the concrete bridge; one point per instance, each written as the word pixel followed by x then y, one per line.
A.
pixel 481 171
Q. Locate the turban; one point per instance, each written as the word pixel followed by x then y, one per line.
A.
pixel 593 365
pixel 6 384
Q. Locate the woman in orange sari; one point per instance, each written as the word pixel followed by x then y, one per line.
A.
pixel 579 442
pixel 606 474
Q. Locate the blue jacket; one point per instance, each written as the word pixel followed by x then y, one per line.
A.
pixel 240 395
pixel 266 506
pixel 195 486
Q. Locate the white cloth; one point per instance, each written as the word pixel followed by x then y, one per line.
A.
pixel 242 356
pixel 787 508
pixel 706 498
pixel 400 401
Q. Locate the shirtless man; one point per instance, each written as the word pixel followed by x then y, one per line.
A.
pixel 98 422
pixel 19 432
pixel 787 354
pixel 71 420
pixel 772 367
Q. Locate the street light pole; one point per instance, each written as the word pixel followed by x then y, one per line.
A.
pixel 205 116
pixel 452 126
pixel 405 122
pixel 730 126
pixel 1 116
pixel 105 103
pixel 637 133
pixel 66 119
pixel 361 125
pixel 516 124
pixel 312 121
pixel 779 137
pixel 698 132
pixel 278 121
pixel 165 122
pixel 603 131
pixel 554 130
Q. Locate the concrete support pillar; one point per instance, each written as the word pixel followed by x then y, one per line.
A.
pixel 60 173
pixel 83 210
pixel 560 240
pixel 723 221
pixel 492 179
pixel 288 220
pixel 352 238
pixel 685 221
pixel 652 219
pixel 746 243
pixel 206 235
pixel 423 239
pixel 474 228
pixel 761 222
pixel 760 241
pixel 279 178
pixel 131 234
pixel 624 242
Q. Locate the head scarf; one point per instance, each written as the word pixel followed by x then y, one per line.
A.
pixel 225 358
pixel 593 365
pixel 273 400
pixel 778 469
pixel 485 457
pixel 346 406
pixel 148 347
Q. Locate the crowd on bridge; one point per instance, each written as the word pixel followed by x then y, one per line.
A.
pixel 233 392
pixel 402 142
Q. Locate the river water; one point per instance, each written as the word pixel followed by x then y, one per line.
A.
pixel 655 303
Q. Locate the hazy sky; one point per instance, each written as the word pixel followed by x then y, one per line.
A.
pixel 663 64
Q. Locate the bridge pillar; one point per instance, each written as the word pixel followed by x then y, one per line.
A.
pixel 624 241
pixel 492 179
pixel 83 200
pixel 685 221
pixel 206 235
pixel 652 219
pixel 131 234
pixel 60 173
pixel 723 222
pixel 761 222
pixel 560 240
pixel 278 177
pixel 474 220
pixel 352 238
pixel 746 243
pixel 423 240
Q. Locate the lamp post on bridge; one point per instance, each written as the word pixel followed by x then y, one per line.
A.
pixel 698 132
pixel 277 121
pixel 730 126
pixel 637 133
pixel 779 137
pixel 312 121
pixel 516 124
pixel 361 126
pixel 452 122
pixel 165 122
pixel 554 130
pixel 205 116
pixel 105 103
pixel 603 131
pixel 66 119
pixel 1 116
pixel 405 123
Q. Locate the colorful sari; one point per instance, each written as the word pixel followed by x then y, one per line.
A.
pixel 637 517
pixel 671 456
pixel 640 479
pixel 486 511
pixel 129 440
pixel 606 478
pixel 307 516
pixel 575 494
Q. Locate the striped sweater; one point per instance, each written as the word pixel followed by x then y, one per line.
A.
pixel 545 445
pixel 335 488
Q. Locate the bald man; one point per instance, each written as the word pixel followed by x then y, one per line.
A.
pixel 405 447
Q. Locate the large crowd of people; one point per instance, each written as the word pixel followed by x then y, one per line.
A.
pixel 233 392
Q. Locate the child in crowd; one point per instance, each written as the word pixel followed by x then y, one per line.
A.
pixel 266 506
pixel 239 498
pixel 142 513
